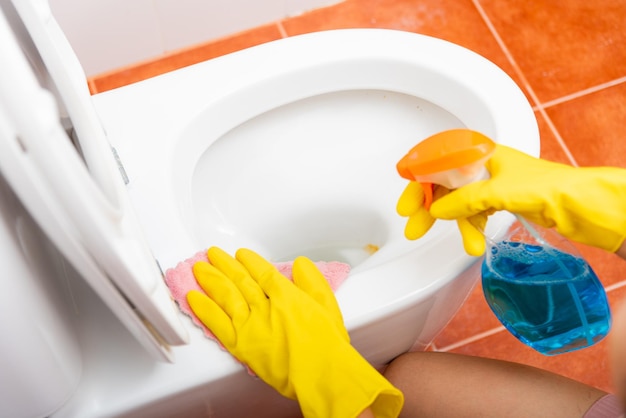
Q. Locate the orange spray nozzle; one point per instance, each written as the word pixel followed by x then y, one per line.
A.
pixel 450 158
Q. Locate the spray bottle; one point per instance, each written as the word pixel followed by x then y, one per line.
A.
pixel 534 280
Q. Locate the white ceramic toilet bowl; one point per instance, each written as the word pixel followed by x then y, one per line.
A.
pixel 290 147
pixel 287 148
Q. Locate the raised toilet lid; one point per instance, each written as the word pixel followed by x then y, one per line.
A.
pixel 83 209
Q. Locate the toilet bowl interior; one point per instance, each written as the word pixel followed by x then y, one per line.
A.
pixel 303 162
pixel 315 177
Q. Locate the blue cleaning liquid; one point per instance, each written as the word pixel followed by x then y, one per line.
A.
pixel 549 300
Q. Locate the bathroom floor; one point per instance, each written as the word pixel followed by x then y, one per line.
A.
pixel 569 59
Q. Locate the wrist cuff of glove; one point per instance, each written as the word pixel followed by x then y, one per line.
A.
pixel 387 403
pixel 346 388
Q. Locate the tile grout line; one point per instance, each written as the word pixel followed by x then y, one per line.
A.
pixel 615 286
pixel 557 136
pixel 525 82
pixel 281 29
pixel 471 339
pixel 584 92
pixel 506 51
pixel 91 83
pixel 542 106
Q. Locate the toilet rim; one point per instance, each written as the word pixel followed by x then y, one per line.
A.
pixel 242 85
pixel 358 59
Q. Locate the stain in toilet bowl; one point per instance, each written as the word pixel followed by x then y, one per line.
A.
pixel 371 248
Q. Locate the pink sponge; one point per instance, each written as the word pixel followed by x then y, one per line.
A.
pixel 181 280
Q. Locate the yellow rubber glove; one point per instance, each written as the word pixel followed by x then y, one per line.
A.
pixel 587 205
pixel 290 334
pixel 411 205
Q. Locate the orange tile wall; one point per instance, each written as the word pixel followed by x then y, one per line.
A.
pixel 569 57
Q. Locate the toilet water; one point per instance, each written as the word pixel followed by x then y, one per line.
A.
pixel 549 300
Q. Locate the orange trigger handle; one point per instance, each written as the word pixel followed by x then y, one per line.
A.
pixel 428 194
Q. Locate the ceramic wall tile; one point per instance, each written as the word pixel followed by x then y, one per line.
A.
pixel 589 365
pixel 592 126
pixel 562 47
pixel 473 320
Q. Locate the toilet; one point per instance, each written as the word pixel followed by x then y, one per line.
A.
pixel 288 148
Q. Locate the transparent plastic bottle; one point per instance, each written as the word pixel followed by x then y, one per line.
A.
pixel 543 291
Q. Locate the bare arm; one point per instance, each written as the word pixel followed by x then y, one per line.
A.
pixel 366 414
pixel 618 342
pixel 465 386
pixel 622 250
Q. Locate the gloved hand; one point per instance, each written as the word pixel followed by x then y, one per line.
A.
pixel 290 334
pixel 587 205
pixel 412 205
